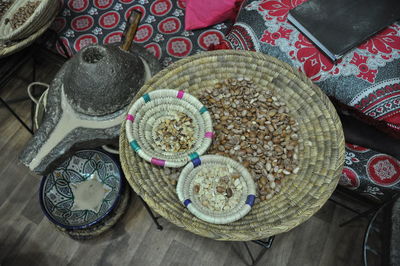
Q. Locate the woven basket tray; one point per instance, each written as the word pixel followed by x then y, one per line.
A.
pixel 208 163
pixel 41 16
pixel 19 45
pixel 321 154
pixel 153 108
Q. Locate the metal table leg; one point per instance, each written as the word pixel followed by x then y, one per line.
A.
pixel 367 213
pixel 155 219
pixel 33 92
pixel 16 116
pixel 6 77
pixel 265 244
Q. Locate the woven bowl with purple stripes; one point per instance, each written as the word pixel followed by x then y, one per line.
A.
pixel 148 110
pixel 186 195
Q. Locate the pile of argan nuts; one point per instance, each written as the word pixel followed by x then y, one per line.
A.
pixel 175 134
pixel 253 126
pixel 4 5
pixel 218 188
pixel 23 14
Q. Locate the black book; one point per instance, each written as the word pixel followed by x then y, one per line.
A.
pixel 337 26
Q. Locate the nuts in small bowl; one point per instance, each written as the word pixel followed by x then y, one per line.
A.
pixel 168 128
pixel 216 189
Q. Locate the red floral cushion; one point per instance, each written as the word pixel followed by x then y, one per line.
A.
pixel 370 173
pixel 367 79
pixel 161 31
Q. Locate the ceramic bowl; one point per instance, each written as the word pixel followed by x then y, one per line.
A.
pixel 82 191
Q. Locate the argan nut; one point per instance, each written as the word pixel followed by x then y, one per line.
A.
pixel 263 180
pixel 229 192
pixel 172 182
pixel 235 175
pixel 255 128
pixel 220 189
pixel 196 189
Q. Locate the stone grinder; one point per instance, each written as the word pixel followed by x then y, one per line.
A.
pixel 88 99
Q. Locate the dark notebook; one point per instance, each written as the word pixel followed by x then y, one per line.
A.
pixel 337 26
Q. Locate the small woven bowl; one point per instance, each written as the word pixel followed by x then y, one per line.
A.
pixel 40 17
pixel 185 185
pixel 147 112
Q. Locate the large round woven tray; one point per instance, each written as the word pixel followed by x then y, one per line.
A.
pixel 321 154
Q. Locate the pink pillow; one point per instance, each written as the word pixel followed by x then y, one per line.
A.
pixel 203 13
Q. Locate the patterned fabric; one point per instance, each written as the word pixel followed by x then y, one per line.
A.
pixel 367 78
pixel 161 31
pixel 370 173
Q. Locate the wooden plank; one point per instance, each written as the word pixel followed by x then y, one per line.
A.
pixel 154 245
pixel 119 244
pixel 13 235
pixel 36 249
pixel 18 198
pixel 179 254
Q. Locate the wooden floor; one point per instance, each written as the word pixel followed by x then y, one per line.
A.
pixel 27 237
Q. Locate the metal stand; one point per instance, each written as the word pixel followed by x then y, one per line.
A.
pixel 155 219
pixel 265 244
pixel 344 206
pixel 16 116
pixel 6 76
pixel 380 227
pixel 360 215
pixel 366 214
pixel 33 91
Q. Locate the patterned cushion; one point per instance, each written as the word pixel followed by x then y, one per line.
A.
pixel 367 79
pixel 161 31
pixel 370 173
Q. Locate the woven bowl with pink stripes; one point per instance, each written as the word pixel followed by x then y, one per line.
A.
pixel 158 105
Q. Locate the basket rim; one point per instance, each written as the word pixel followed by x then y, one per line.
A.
pixel 230 216
pixel 121 189
pixel 247 231
pixel 8 50
pixel 42 8
pixel 104 225
pixel 174 96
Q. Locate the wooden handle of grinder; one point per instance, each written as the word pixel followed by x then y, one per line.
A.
pixel 130 30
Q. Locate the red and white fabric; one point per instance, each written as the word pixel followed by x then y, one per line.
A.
pixel 367 79
pixel 161 30
pixel 369 173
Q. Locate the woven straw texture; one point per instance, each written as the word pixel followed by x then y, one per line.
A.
pixel 17 46
pixel 185 192
pixel 321 153
pixel 145 115
pixel 41 16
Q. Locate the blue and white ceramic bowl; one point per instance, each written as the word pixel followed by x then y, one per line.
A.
pixel 82 191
